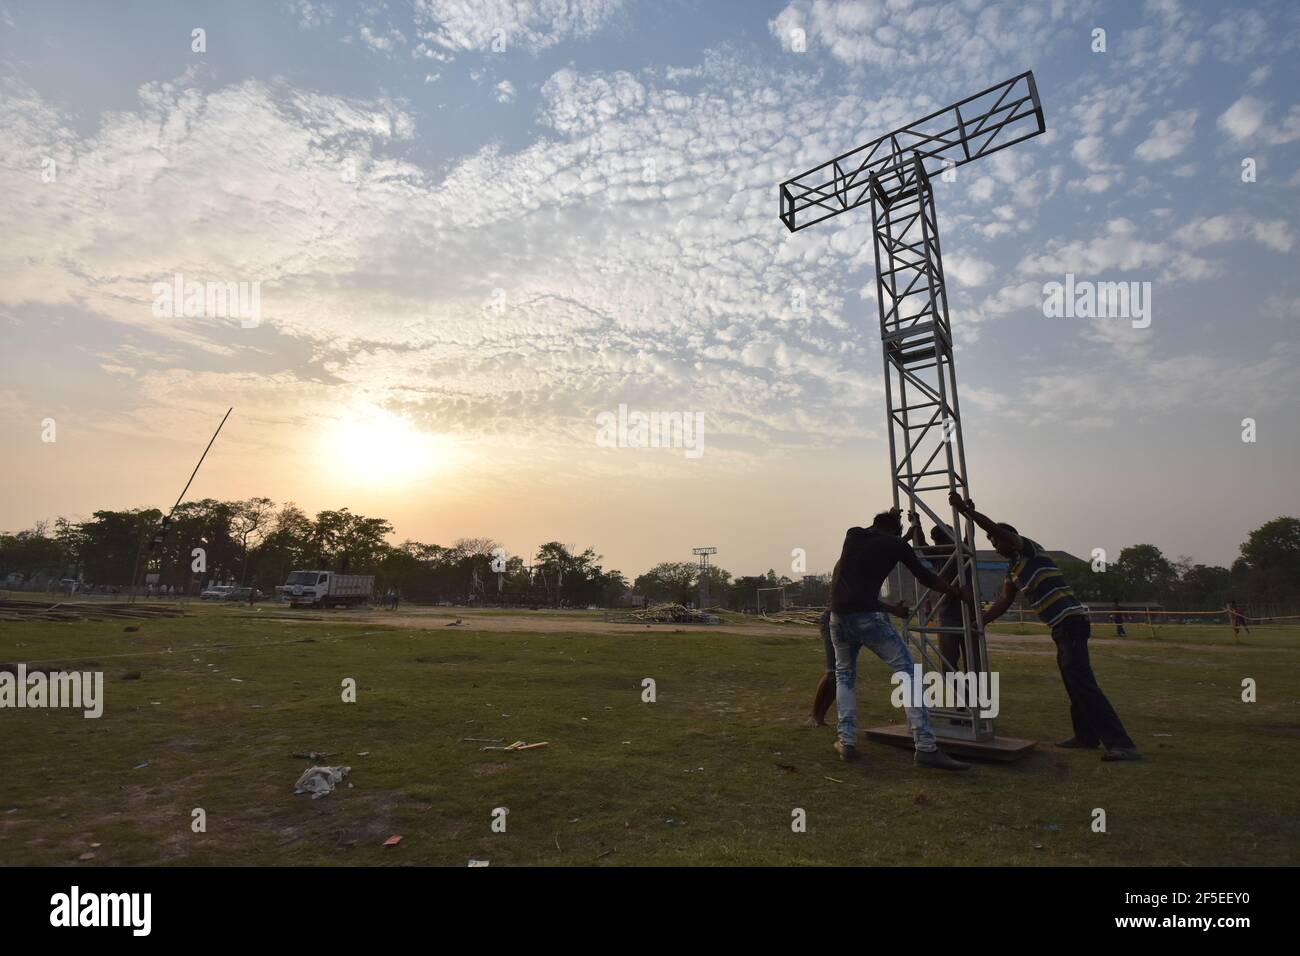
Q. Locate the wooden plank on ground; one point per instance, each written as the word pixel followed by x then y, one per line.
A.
pixel 1004 749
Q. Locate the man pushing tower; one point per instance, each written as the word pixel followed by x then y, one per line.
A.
pixel 859 619
pixel 1033 573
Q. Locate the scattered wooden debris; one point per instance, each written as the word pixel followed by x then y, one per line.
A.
pixel 793 617
pixel 518 745
pixel 662 614
pixel 21 610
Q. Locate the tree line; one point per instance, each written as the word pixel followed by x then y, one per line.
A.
pixel 1265 576
pixel 254 542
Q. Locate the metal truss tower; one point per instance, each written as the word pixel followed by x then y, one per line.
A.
pixel 926 450
pixel 704 574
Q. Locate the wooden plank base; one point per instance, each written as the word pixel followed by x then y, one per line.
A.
pixel 1004 749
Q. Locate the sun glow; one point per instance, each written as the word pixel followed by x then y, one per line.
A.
pixel 374 446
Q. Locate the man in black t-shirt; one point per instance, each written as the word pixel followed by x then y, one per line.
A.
pixel 859 619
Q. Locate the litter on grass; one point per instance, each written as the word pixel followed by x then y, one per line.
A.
pixel 320 781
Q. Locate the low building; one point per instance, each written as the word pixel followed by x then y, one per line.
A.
pixel 990 566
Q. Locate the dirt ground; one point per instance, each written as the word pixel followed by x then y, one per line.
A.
pixel 549 621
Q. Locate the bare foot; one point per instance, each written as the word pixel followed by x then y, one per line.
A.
pixel 812 721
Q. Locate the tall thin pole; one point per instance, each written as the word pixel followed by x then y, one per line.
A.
pixel 135 569
pixel 196 467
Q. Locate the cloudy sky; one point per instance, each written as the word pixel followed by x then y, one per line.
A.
pixel 476 226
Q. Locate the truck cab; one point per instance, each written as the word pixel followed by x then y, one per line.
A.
pixel 307 588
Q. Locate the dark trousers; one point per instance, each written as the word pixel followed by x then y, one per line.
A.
pixel 1094 719
pixel 952 647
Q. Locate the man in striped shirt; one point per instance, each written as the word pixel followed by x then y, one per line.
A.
pixel 1035 575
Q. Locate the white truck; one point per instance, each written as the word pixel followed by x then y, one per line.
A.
pixel 328 588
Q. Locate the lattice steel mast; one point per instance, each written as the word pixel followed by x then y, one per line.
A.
pixel 926 450
pixel 703 554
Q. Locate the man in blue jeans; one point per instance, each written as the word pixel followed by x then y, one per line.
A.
pixel 859 619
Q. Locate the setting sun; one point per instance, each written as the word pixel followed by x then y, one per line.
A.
pixel 372 445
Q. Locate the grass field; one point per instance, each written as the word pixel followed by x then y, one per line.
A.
pixel 708 774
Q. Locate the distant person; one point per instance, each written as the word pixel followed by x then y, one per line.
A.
pixel 1034 574
pixel 1237 617
pixel 397 596
pixel 1118 618
pixel 858 619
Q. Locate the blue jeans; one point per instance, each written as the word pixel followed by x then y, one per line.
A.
pixel 871 629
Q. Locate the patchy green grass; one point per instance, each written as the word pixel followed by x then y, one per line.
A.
pixel 709 774
pixel 1261 635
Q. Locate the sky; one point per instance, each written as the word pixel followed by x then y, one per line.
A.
pixel 467 233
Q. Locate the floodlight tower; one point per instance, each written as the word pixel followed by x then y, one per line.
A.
pixel 704 574
pixel 927 456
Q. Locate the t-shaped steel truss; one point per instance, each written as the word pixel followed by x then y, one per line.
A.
pixel 926 451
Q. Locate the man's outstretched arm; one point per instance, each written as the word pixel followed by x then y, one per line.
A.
pixel 901 609
pixel 986 524
pixel 926 576
pixel 914 535
pixel 999 607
